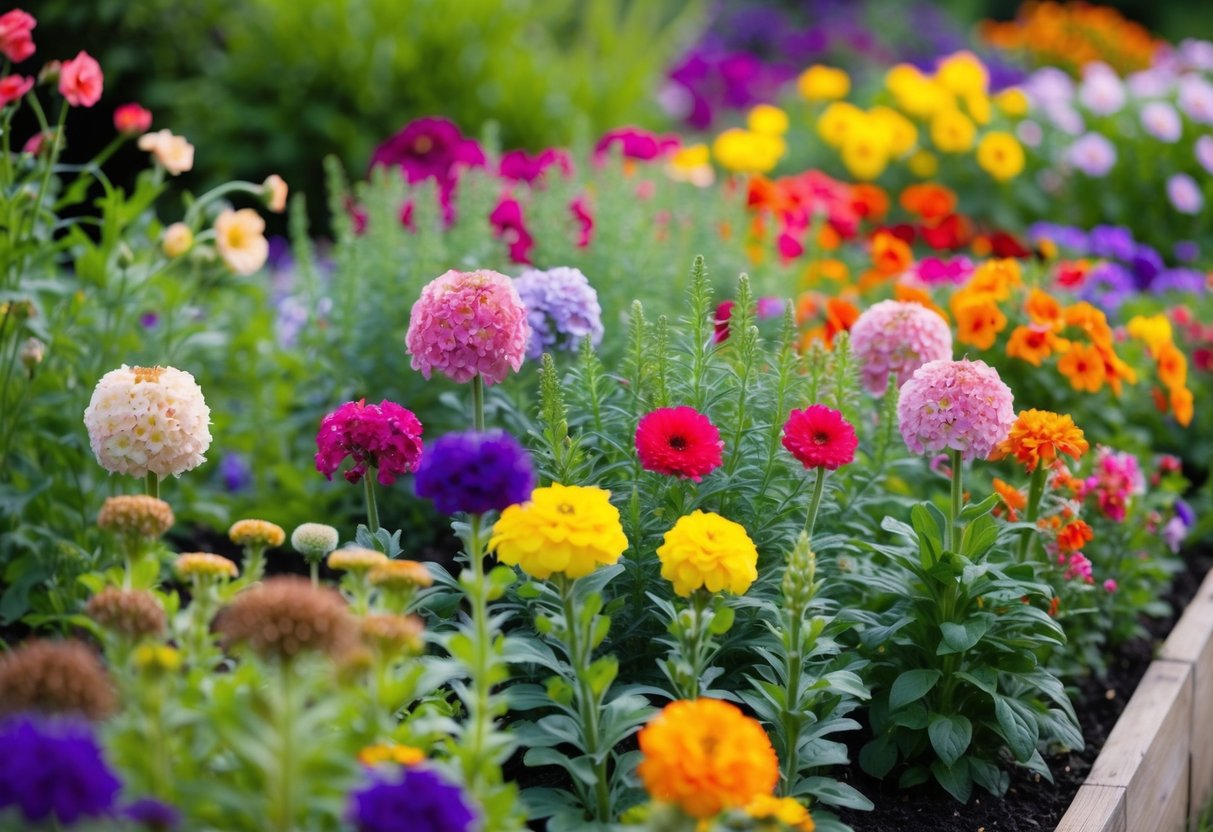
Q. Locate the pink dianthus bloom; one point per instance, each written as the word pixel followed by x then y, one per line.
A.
pixel 898 337
pixel 467 324
pixel 80 80
pixel 16 35
pixel 1116 479
pixel 510 225
pixel 520 166
pixel 385 436
pixel 955 405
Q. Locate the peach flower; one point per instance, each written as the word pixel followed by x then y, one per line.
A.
pixel 274 191
pixel 174 153
pixel 240 238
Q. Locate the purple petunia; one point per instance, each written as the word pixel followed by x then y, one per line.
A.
pixel 1111 241
pixel 1108 286
pixel 152 815
pixel 562 308
pixel 53 770
pixel 427 800
pixel 475 472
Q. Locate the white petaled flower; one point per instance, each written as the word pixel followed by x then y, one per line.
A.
pixel 314 540
pixel 148 419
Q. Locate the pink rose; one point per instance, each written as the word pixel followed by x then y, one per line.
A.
pixel 132 120
pixel 16 38
pixel 13 87
pixel 80 80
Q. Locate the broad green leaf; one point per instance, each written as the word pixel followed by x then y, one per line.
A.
pixel 911 686
pixel 950 736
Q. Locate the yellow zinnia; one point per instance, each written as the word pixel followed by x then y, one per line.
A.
pixel 952 131
pixel 567 529
pixel 1154 331
pixel 823 83
pixel 1000 155
pixel 1012 101
pixel 865 154
pixel 767 120
pixel 837 122
pixel 707 551
pixel 963 73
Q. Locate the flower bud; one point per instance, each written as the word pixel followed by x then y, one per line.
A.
pixel 314 540
pixel 177 240
pixel 800 578
pixel 32 352
pixel 274 191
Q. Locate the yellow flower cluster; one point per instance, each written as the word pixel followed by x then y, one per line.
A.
pixel 402 755
pixel 566 529
pixel 707 551
pixel 758 147
pixel 256 533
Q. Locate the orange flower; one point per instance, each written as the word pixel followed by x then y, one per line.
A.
pixel 870 201
pixel 1115 369
pixel 1031 343
pixel 1172 366
pixel 996 278
pixel 706 756
pixel 890 255
pixel 1041 436
pixel 928 200
pixel 1012 498
pixel 978 324
pixel 1073 536
pixel 1181 403
pixel 1084 367
pixel 914 294
pixel 1090 320
pixel 1043 309
pixel 840 317
pixel 828 269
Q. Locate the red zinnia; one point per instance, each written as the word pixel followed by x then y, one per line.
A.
pixel 679 442
pixel 819 437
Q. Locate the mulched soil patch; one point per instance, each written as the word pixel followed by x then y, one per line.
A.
pixel 1033 804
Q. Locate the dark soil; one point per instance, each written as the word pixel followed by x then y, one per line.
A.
pixel 1033 804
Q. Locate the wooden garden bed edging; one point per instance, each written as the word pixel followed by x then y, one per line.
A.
pixel 1156 769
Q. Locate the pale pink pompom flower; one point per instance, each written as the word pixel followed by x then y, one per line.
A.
pixel 898 337
pixel 955 405
pixel 467 324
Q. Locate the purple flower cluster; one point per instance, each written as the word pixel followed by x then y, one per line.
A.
pixel 427 800
pixel 53 769
pixel 475 472
pixel 562 308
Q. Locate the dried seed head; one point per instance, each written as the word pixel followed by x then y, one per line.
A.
pixel 286 616
pixel 60 677
pixel 355 559
pixel 393 634
pixel 314 540
pixel 204 565
pixel 136 515
pixel 128 612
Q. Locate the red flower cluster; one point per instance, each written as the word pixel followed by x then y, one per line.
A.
pixel 819 437
pixel 384 436
pixel 678 442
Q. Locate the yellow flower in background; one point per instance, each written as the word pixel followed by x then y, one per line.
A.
pixel 952 131
pixel 837 121
pixel 901 132
pixel 768 120
pixel 745 151
pixel 963 73
pixel 924 164
pixel 570 529
pixel 784 810
pixel 1153 330
pixel 707 551
pixel 865 154
pixel 240 239
pixel 401 755
pixel 692 163
pixel 1000 155
pixel 1012 102
pixel 978 107
pixel 177 240
pixel 823 83
pixel 917 94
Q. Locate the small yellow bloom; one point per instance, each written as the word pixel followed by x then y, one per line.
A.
pixel 952 132
pixel 768 120
pixel 784 810
pixel 204 565
pixel 744 151
pixel 1000 155
pixel 151 658
pixel 963 73
pixel 403 755
pixel 567 529
pixel 899 131
pixel 177 240
pixel 240 238
pixel 174 153
pixel 258 533
pixel 355 559
pixel 865 154
pixel 917 94
pixel 692 163
pixel 1012 102
pixel 823 83
pixel 1154 331
pixel 837 122
pixel 978 106
pixel 706 551
pixel 924 164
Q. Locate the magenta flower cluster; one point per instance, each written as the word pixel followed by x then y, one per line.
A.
pixel 897 337
pixel 1117 478
pixel 383 436
pixel 955 405
pixel 467 324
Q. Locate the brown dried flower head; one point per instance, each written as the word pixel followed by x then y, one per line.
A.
pixel 393 634
pixel 137 515
pixel 60 677
pixel 355 559
pixel 130 613
pixel 401 575
pixel 286 616
pixel 204 565
pixel 259 533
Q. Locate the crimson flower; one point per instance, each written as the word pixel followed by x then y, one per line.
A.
pixel 678 442
pixel 384 436
pixel 819 437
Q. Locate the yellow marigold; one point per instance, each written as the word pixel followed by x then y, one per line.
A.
pixel 706 756
pixel 570 529
pixel 137 515
pixel 978 107
pixel 952 131
pixel 1041 436
pixel 1152 330
pixel 1012 102
pixel 823 83
pixel 745 151
pixel 401 575
pixel 836 123
pixel 705 550
pixel 768 120
pixel 924 164
pixel 157 658
pixel 403 755
pixel 258 533
pixel 784 810
pixel 917 94
pixel 204 565
pixel 355 559
pixel 692 163
pixel 865 154
pixel 1000 155
pixel 901 134
pixel 963 73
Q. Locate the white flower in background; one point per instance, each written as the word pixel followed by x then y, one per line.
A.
pixel 1092 154
pixel 148 419
pixel 240 238
pixel 1150 83
pixel 1101 90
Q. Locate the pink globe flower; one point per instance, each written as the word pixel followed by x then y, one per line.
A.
pixel 385 436
pixel 955 405
pixel 13 87
pixel 80 80
pixel 467 324
pixel 897 337
pixel 16 35
pixel 132 120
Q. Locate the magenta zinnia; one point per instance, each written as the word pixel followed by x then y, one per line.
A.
pixel 678 442
pixel 385 436
pixel 819 437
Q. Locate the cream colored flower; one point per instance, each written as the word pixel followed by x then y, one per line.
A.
pixel 240 238
pixel 174 153
pixel 177 240
pixel 274 191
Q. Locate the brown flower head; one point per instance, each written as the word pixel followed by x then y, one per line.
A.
pixel 128 612
pixel 196 565
pixel 286 616
pixel 136 515
pixel 401 575
pixel 60 677
pixel 393 634
pixel 259 533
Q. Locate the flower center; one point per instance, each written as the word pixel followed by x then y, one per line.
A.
pixel 147 374
pixel 423 145
pixel 565 508
pixel 678 443
pixel 821 437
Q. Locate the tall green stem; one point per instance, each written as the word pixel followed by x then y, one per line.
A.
pixel 372 508
pixel 478 403
pixel 957 501
pixel 1036 492
pixel 282 799
pixel 791 713
pixel 819 487
pixel 479 712
pixel 580 648
pixel 152 485
pixel 694 641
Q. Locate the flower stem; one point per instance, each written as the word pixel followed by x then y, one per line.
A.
pixel 372 508
pixel 152 485
pixel 479 714
pixel 791 710
pixel 819 487
pixel 478 403
pixel 694 641
pixel 1036 492
pixel 314 567
pixel 282 801
pixel 957 500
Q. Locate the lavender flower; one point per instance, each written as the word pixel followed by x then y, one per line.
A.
pixel 1092 154
pixel 1173 533
pixel 1185 513
pixel 562 308
pixel 1162 122
pixel 1196 98
pixel 430 803
pixel 1185 194
pixel 1204 152
pixel 1188 281
pixel 1187 251
pixel 1049 86
pixel 1101 91
pixel 475 472
pixel 1108 286
pixel 1196 54
pixel 1150 83
pixel 53 770
pixel 1112 241
pixel 1066 236
pixel 235 472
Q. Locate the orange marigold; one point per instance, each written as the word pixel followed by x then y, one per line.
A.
pixel 1172 366
pixel 1043 309
pixel 890 254
pixel 928 200
pixel 1012 499
pixel 914 294
pixel 1032 343
pixel 1181 404
pixel 1091 320
pixel 1084 367
pixel 995 277
pixel 706 756
pixel 1041 436
pixel 1073 536
pixel 978 323
pixel 1115 370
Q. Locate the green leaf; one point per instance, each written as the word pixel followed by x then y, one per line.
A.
pixel 602 673
pixel 950 736
pixel 1017 728
pixel 958 638
pixel 979 536
pixel 878 757
pixel 930 535
pixel 830 791
pixel 955 779
pixel 974 510
pixel 911 686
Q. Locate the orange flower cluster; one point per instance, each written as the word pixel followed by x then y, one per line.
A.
pixel 1156 333
pixel 1039 436
pixel 1012 500
pixel 979 318
pixel 1073 35
pixel 826 317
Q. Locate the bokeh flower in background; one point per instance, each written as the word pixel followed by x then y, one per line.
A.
pixel 897 337
pixel 53 771
pixel 562 308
